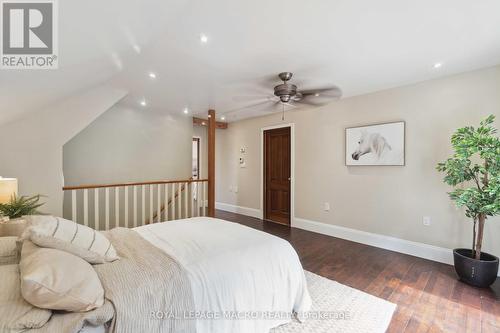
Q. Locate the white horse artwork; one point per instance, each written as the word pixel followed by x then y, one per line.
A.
pixel 371 143
pixel 375 145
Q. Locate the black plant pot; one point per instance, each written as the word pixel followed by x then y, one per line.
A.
pixel 479 273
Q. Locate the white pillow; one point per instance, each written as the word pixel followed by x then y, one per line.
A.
pixel 57 280
pixel 17 315
pixel 58 233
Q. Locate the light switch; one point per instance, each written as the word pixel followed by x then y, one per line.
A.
pixel 426 220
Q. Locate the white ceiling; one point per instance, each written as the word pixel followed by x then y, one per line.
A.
pixel 360 46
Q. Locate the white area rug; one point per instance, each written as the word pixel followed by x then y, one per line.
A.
pixel 346 310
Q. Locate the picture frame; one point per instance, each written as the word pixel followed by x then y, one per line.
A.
pixel 380 144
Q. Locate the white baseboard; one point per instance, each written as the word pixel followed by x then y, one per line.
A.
pixel 421 250
pixel 426 251
pixel 239 209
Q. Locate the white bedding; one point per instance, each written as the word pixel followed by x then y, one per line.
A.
pixel 235 272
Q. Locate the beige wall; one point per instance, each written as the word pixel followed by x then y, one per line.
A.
pixel 31 147
pixel 129 145
pixel 383 200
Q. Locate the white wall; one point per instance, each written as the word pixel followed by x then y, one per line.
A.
pixel 384 200
pixel 31 147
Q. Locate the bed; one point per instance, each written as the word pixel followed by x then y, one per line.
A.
pixel 240 279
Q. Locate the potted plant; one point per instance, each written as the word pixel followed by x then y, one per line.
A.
pixel 20 206
pixel 474 172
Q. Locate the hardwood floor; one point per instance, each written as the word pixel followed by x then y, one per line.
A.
pixel 428 295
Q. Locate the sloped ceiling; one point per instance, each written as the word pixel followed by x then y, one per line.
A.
pixel 361 46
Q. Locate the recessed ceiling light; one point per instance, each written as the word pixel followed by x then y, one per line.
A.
pixel 186 111
pixel 438 65
pixel 152 75
pixel 143 102
pixel 203 38
pixel 316 94
pixel 222 118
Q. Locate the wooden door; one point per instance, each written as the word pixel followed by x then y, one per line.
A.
pixel 277 173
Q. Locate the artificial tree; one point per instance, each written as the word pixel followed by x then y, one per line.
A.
pixel 474 171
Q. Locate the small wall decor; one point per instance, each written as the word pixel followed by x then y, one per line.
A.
pixel 379 144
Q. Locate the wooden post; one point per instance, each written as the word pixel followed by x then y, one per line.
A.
pixel 211 162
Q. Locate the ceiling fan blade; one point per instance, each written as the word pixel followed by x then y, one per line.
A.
pixel 251 106
pixel 250 98
pixel 329 92
pixel 305 101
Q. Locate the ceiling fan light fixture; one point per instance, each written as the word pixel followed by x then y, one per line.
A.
pixel 285 98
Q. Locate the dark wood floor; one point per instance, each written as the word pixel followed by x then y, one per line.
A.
pixel 428 295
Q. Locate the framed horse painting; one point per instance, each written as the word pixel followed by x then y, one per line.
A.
pixel 377 144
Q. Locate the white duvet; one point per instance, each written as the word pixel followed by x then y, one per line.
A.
pixel 243 280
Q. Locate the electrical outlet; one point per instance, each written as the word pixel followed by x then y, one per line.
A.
pixel 235 189
pixel 326 207
pixel 426 220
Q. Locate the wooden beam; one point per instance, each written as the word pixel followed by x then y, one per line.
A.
pixel 211 162
pixel 204 122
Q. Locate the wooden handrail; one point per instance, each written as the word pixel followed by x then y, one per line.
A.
pixel 86 187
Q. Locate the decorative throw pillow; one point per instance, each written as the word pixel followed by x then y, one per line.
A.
pixel 9 253
pixel 57 280
pixel 16 314
pixel 58 233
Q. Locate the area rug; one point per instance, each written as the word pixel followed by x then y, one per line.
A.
pixel 339 308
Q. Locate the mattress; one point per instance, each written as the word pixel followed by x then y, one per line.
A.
pixel 242 280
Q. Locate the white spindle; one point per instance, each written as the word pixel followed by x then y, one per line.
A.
pixel 143 210
pixel 203 200
pixel 135 206
pixel 166 202
pixel 106 205
pixel 126 207
pixel 96 209
pixel 193 189
pixel 86 207
pixel 117 206
pixel 197 199
pixel 73 205
pixel 151 204
pixel 174 202
pixel 186 200
pixel 158 209
pixel 179 197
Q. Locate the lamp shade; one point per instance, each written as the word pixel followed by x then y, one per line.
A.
pixel 8 188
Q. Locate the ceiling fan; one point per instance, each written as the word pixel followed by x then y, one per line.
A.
pixel 288 94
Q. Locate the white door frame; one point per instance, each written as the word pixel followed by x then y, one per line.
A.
pixel 199 157
pixel 292 169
